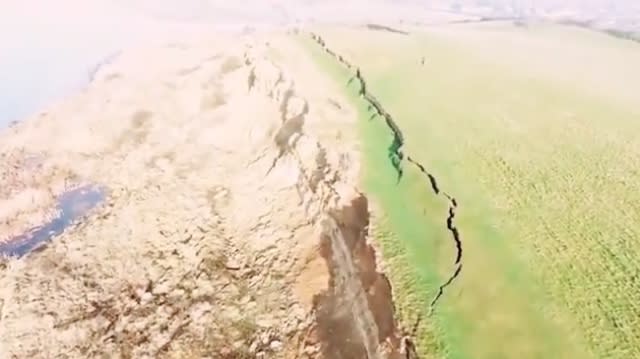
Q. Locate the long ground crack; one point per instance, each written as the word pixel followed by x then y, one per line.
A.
pixel 396 157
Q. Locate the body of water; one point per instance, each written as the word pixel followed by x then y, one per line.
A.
pixel 72 206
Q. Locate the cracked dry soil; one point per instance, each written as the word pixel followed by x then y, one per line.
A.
pixel 232 227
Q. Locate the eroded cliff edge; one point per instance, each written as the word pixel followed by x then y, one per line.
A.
pixel 231 227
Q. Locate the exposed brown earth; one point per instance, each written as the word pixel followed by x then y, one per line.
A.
pixel 233 227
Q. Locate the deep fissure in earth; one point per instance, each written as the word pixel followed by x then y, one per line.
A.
pixel 396 156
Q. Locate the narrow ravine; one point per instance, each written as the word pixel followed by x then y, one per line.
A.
pixel 396 156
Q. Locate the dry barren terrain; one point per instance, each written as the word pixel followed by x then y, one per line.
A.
pixel 231 226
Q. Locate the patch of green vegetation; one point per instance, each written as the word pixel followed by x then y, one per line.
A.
pixel 404 215
pixel 544 172
pixel 505 172
pixel 492 299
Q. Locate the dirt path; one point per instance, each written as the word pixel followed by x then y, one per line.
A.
pixel 232 227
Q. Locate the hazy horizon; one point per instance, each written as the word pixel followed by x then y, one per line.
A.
pixel 48 48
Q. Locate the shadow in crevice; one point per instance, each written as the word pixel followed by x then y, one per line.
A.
pixel 290 127
pixel 432 179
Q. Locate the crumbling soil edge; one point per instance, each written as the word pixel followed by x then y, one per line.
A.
pixel 368 329
pixel 353 274
pixel 396 156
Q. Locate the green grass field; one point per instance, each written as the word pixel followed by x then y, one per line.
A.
pixel 535 132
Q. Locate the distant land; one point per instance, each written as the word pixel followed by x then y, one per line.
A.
pixel 619 18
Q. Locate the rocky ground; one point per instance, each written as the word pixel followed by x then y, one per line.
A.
pixel 232 228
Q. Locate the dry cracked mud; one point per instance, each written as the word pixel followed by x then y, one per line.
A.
pixel 232 225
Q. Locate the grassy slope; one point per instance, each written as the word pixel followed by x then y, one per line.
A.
pixel 544 173
pixel 405 204
pixel 420 251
